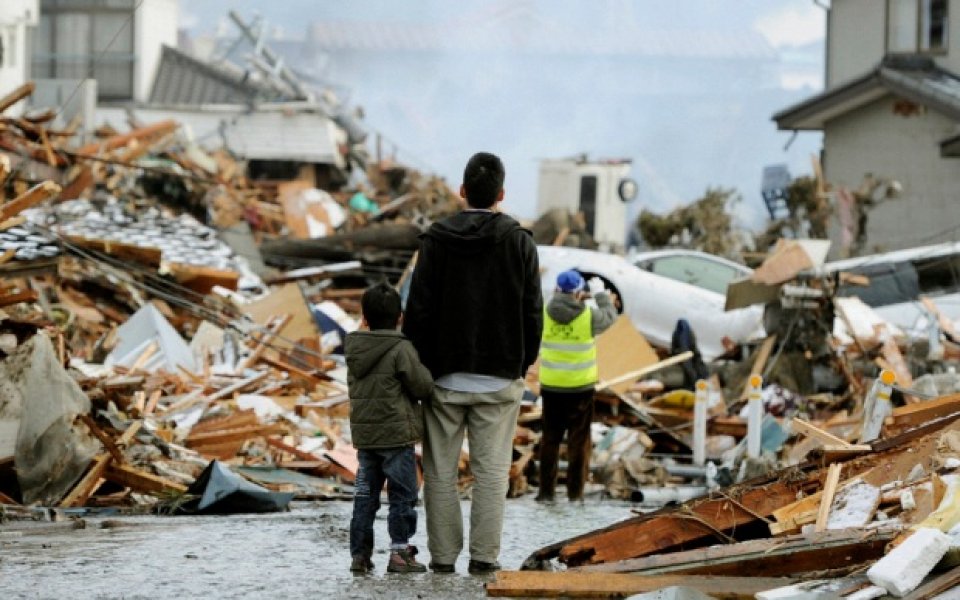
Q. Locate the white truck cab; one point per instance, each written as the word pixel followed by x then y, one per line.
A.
pixel 600 189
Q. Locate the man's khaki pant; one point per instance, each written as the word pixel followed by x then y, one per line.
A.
pixel 490 421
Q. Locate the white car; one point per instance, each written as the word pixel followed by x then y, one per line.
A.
pixel 658 288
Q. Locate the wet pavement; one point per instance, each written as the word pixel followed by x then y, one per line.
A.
pixel 298 554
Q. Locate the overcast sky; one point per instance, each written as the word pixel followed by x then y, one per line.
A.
pixel 782 22
pixel 793 28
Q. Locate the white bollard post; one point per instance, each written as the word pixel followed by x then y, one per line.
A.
pixel 754 416
pixel 700 424
pixel 877 407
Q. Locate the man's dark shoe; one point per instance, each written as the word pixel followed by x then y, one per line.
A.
pixel 402 561
pixel 478 567
pixel 547 498
pixel 361 565
pixel 442 568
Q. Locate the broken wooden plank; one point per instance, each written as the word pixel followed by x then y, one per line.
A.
pixel 273 327
pixel 18 297
pixel 913 415
pixel 313 377
pixel 203 279
pixel 833 453
pixel 141 481
pixel 232 435
pixel 145 356
pixel 826 501
pixel 146 256
pixel 824 437
pixel 779 557
pixel 634 375
pixel 17 95
pixel 82 181
pixel 89 483
pixel 763 355
pixel 105 439
pixel 197 397
pixel 661 531
pixel 569 584
pixel 33 196
pixel 121 140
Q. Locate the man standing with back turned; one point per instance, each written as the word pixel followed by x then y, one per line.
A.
pixel 475 316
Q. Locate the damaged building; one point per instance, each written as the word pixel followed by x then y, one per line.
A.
pixel 890 111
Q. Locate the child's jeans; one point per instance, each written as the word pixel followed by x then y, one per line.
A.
pixel 398 467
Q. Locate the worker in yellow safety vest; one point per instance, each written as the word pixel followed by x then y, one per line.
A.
pixel 568 374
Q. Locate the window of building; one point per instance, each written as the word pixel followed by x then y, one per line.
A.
pixel 917 26
pixel 78 39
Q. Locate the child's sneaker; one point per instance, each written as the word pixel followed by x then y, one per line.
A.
pixel 361 564
pixel 402 561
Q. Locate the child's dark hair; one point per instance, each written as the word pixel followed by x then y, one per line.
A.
pixel 483 179
pixel 381 306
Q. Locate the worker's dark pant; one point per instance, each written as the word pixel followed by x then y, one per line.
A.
pixel 569 412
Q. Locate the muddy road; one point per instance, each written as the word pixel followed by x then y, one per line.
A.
pixel 298 554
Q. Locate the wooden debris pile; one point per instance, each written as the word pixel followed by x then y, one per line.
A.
pixel 881 521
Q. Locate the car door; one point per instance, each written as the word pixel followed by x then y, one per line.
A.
pixel 697 294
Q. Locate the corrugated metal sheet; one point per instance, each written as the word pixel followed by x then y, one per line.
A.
pixel 184 80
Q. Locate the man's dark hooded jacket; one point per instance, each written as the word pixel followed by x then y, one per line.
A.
pixel 475 303
pixel 385 380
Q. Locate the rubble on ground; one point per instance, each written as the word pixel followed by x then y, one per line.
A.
pixel 169 324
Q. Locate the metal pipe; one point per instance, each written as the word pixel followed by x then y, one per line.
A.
pixel 283 72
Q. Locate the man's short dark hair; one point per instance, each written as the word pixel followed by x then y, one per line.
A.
pixel 381 306
pixel 483 179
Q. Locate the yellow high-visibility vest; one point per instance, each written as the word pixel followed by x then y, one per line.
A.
pixel 568 352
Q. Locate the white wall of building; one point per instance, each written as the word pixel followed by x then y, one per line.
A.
pixel 875 140
pixel 15 17
pixel 157 22
pixel 857 39
pixel 559 187
pixel 951 61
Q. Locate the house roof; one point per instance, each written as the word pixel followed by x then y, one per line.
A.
pixel 184 80
pixel 914 78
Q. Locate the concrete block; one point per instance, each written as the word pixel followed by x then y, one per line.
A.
pixel 902 570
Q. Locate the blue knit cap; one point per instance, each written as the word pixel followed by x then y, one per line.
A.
pixel 570 281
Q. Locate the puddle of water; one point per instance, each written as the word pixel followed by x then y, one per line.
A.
pixel 299 554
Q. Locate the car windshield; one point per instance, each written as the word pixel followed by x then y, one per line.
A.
pixel 695 270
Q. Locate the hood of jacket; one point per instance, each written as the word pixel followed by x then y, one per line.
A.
pixel 364 349
pixel 564 308
pixel 472 231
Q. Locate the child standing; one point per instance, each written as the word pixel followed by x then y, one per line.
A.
pixel 385 380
